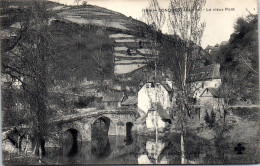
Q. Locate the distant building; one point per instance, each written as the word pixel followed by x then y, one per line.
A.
pixel 205 77
pixel 215 48
pixel 150 96
pixel 210 100
pixel 206 81
pixel 114 99
pixel 131 102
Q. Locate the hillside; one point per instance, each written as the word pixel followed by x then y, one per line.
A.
pixel 93 43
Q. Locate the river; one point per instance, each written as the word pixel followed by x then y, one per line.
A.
pixel 142 150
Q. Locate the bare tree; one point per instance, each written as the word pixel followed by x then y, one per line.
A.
pixel 181 50
pixel 155 18
pixel 77 1
pixel 184 22
pixel 101 57
pixel 154 15
pixel 27 61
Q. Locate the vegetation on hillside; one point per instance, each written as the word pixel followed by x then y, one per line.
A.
pixel 44 54
pixel 239 60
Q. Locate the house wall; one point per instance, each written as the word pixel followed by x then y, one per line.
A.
pixel 199 87
pixel 112 104
pixel 148 95
pixel 153 119
pixel 209 103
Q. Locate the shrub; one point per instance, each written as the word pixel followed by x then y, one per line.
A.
pixel 85 101
pixel 210 119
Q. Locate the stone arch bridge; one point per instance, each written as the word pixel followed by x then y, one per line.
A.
pixel 118 122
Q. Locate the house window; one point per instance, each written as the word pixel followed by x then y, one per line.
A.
pixel 197 112
pixel 215 85
pixel 152 85
pixel 170 95
pixel 202 85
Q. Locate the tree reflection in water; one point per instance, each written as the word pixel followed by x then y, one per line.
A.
pixel 100 147
pixel 70 143
pixel 154 153
pixel 142 150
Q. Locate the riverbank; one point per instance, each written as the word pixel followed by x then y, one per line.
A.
pixel 203 147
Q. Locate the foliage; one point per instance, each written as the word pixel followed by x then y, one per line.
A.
pixel 11 114
pixel 246 113
pixel 86 52
pixel 239 60
pixel 85 101
pixel 210 119
pixel 27 61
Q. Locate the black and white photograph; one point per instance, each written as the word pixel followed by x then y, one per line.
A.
pixel 129 82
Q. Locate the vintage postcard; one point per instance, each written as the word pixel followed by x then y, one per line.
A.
pixel 129 82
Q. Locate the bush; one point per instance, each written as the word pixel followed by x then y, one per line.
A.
pixel 85 101
pixel 210 119
pixel 246 113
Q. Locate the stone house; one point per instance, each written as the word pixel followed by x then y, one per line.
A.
pixel 153 95
pixel 205 77
pixel 130 102
pixel 206 82
pixel 113 99
pixel 210 99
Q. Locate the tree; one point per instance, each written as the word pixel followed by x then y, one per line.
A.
pixel 154 16
pixel 84 3
pixel 181 50
pixel 77 2
pixel 27 60
pixel 210 119
pixel 239 61
pixel 102 56
pixel 184 22
pixel 155 20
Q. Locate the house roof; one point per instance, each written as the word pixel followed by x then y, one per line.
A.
pixel 208 47
pixel 113 97
pixel 205 73
pixel 214 91
pixel 132 100
pixel 162 112
pixel 166 86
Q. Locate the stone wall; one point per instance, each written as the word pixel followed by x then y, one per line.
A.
pixel 83 126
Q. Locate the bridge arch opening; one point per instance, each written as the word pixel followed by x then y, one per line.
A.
pixel 70 142
pixel 101 148
pixel 101 127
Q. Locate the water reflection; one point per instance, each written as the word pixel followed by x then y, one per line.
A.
pixel 153 150
pixel 100 147
pixel 135 149
pixel 129 137
pixel 70 142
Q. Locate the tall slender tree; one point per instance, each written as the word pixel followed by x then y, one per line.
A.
pixel 155 18
pixel 184 22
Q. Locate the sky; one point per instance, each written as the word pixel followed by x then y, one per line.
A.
pixel 219 24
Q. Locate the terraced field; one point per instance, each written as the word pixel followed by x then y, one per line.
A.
pixel 131 52
pixel 128 54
